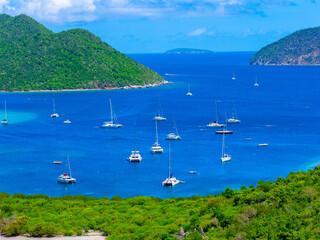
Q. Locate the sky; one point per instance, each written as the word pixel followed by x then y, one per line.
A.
pixel 155 26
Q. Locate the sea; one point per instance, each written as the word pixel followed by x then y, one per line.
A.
pixel 283 111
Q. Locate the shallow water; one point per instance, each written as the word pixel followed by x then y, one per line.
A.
pixel 283 111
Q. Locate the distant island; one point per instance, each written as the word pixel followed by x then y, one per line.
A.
pixel 188 51
pixel 34 58
pixel 299 48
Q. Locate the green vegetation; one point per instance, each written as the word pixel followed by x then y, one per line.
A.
pixel 188 51
pixel 299 48
pixel 34 58
pixel 288 208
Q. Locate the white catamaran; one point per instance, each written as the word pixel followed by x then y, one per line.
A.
pixel 175 135
pixel 224 157
pixel 54 114
pixel 135 155
pixel 156 148
pixel 170 181
pixel 215 124
pixel 256 83
pixel 113 119
pixel 66 178
pixel 5 120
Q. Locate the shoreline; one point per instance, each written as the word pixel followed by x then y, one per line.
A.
pixel 159 84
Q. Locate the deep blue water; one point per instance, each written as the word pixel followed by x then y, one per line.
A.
pixel 283 111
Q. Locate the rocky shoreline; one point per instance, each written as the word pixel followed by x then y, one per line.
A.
pixel 98 89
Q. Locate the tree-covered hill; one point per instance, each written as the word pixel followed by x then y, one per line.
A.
pixel 285 209
pixel 34 58
pixel 299 48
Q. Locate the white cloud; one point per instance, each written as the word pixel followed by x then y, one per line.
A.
pixel 88 10
pixel 53 10
pixel 3 4
pixel 197 32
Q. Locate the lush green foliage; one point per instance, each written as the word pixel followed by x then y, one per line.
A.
pixel 34 58
pixel 285 209
pixel 188 51
pixel 301 47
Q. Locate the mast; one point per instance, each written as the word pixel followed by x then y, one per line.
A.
pixel 135 136
pixel 169 161
pixel 160 109
pixel 5 109
pixel 223 142
pixel 68 163
pixel 234 109
pixel 156 132
pixel 215 103
pixel 188 87
pixel 54 106
pixel 111 118
pixel 175 126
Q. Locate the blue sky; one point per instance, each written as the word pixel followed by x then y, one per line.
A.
pixel 152 26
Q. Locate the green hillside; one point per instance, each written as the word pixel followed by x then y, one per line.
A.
pixel 285 209
pixel 34 58
pixel 299 48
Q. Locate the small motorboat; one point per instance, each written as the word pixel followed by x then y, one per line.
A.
pixel 57 162
pixel 262 144
pixel 67 121
pixel 224 132
pixel 248 138
pixel 159 118
pixel 192 172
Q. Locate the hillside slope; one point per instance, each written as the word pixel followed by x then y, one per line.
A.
pixel 34 58
pixel 299 48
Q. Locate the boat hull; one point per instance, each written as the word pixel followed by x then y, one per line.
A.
pixel 224 132
pixel 170 183
pixel 156 151
pixel 55 115
pixel 112 126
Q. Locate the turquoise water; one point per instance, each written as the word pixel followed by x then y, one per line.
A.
pixel 283 111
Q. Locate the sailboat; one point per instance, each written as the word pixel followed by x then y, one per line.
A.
pixel 170 181
pixel 189 93
pixel 256 83
pixel 66 178
pixel 113 119
pixel 174 136
pixel 224 157
pixel 156 148
pixel 54 114
pixel 159 115
pixel 5 120
pixel 215 124
pixel 135 155
pixel 233 77
pixel 234 118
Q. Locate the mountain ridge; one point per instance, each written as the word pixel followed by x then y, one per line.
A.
pixel 299 48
